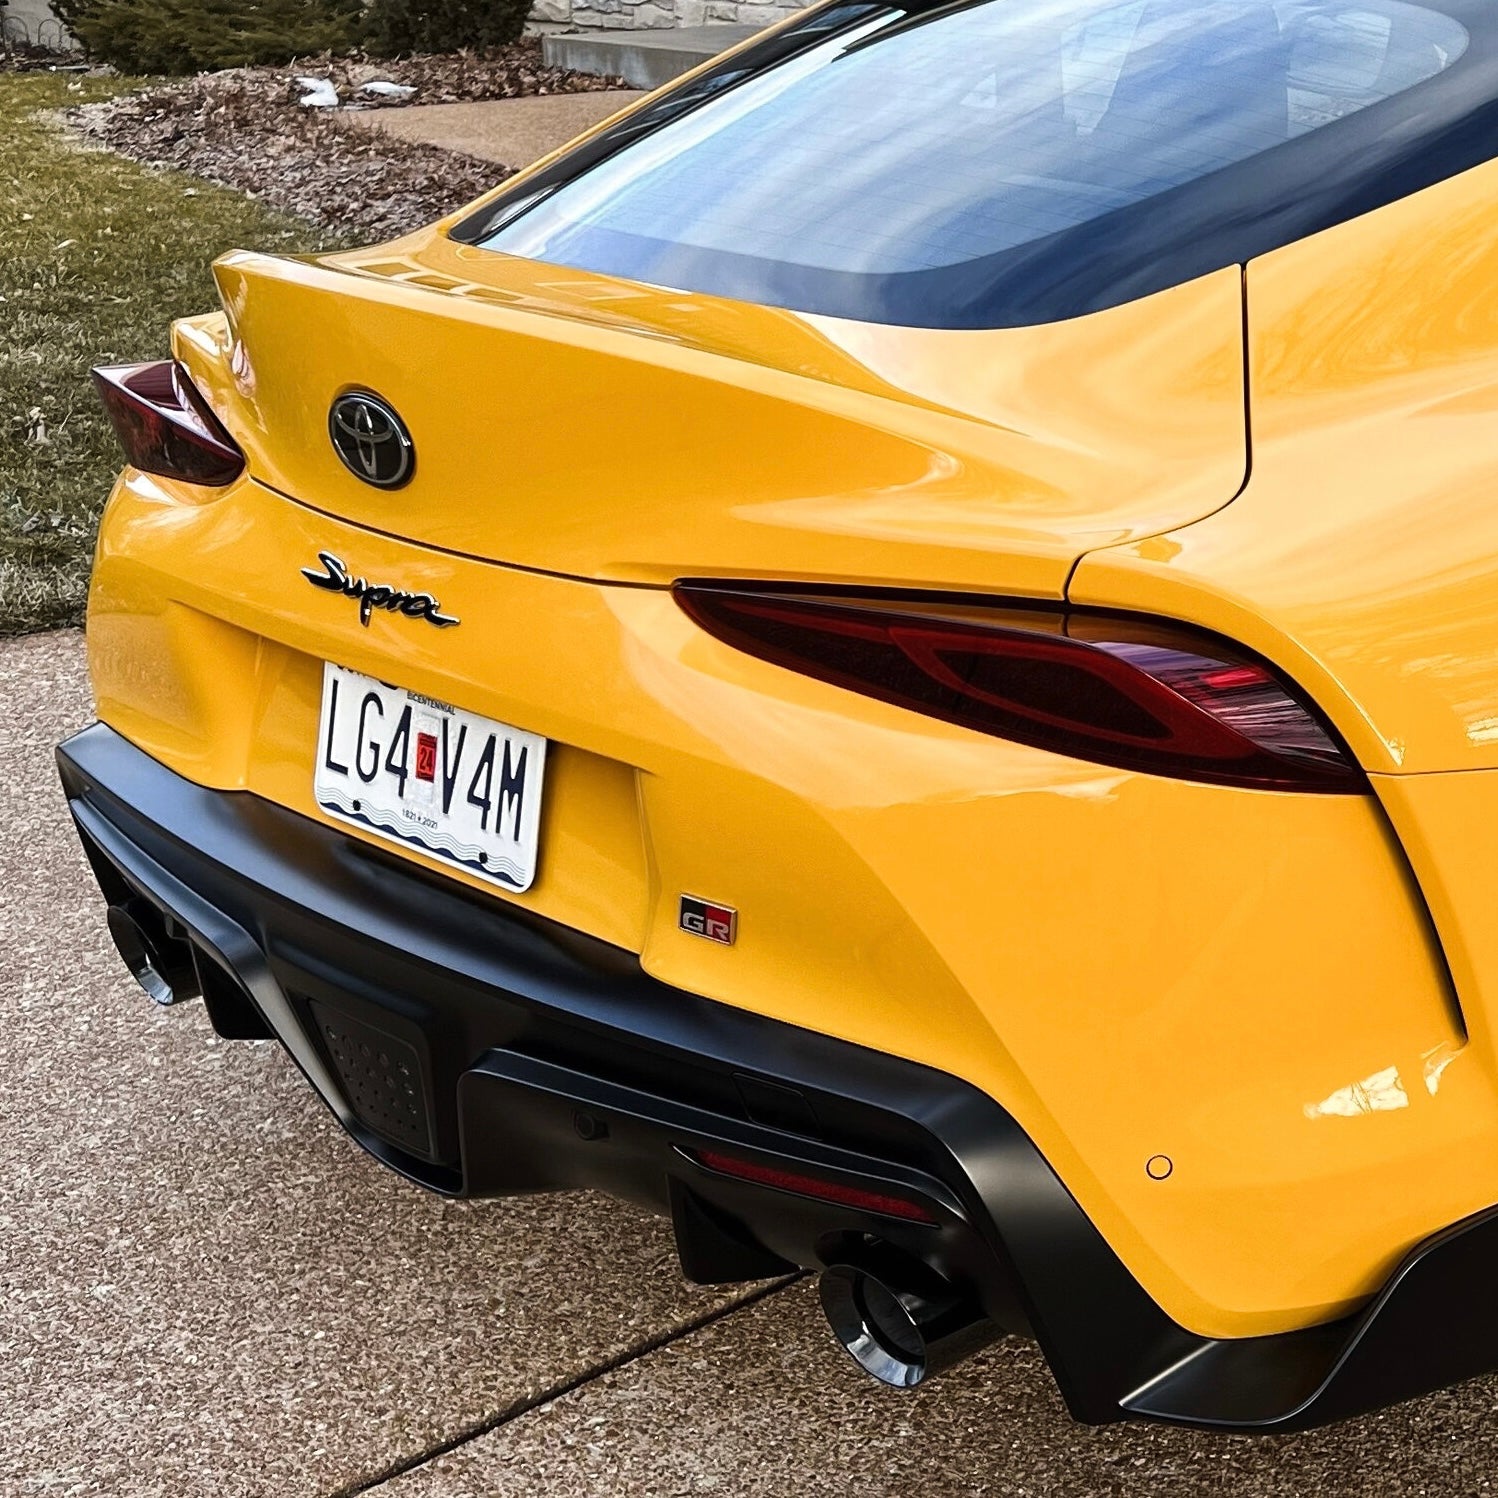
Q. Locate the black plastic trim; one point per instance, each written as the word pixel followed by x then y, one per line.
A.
pixel 594 1074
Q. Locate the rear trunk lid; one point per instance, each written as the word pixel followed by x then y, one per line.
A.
pixel 588 426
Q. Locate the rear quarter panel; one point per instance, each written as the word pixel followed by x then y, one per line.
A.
pixel 1362 556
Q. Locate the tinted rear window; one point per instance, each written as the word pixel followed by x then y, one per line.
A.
pixel 1014 160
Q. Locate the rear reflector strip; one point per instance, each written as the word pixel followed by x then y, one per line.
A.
pixel 879 1203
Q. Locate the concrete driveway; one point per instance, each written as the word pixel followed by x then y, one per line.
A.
pixel 206 1290
pixel 514 132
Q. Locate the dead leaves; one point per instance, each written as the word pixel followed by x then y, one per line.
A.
pixel 244 129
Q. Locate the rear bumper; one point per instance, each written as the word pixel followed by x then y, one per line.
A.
pixel 483 1051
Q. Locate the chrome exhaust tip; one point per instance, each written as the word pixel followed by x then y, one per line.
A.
pixel 160 962
pixel 900 1320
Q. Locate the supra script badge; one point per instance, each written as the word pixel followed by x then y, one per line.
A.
pixel 335 578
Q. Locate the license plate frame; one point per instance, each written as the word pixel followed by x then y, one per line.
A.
pixel 412 770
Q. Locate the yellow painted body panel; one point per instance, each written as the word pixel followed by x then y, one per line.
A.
pixel 600 428
pixel 1443 822
pixel 1363 553
pixel 1090 947
pixel 1362 557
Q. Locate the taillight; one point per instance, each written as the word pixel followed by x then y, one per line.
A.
pixel 164 424
pixel 1136 693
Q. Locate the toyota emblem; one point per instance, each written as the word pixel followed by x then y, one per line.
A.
pixel 371 440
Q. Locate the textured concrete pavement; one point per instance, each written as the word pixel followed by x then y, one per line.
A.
pixel 514 132
pixel 205 1289
pixel 761 1405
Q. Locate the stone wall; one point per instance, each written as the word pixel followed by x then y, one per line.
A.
pixel 652 15
pixel 33 19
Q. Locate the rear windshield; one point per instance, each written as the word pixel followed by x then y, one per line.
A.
pixel 1012 161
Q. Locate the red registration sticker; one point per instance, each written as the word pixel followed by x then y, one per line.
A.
pixel 426 756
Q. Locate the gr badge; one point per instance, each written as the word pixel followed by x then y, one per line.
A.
pixel 718 923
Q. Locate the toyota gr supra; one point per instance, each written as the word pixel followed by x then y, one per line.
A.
pixel 895 655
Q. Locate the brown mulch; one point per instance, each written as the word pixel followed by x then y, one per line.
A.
pixel 244 128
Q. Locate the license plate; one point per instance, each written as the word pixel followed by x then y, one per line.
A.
pixel 462 788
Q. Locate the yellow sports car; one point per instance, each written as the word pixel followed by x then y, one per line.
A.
pixel 895 654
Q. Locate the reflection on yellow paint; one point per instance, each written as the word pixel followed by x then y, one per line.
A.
pixel 1436 1061
pixel 1380 1093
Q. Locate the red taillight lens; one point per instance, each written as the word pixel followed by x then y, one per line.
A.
pixel 165 425
pixel 800 1184
pixel 1139 694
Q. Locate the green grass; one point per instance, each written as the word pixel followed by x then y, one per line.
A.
pixel 97 255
